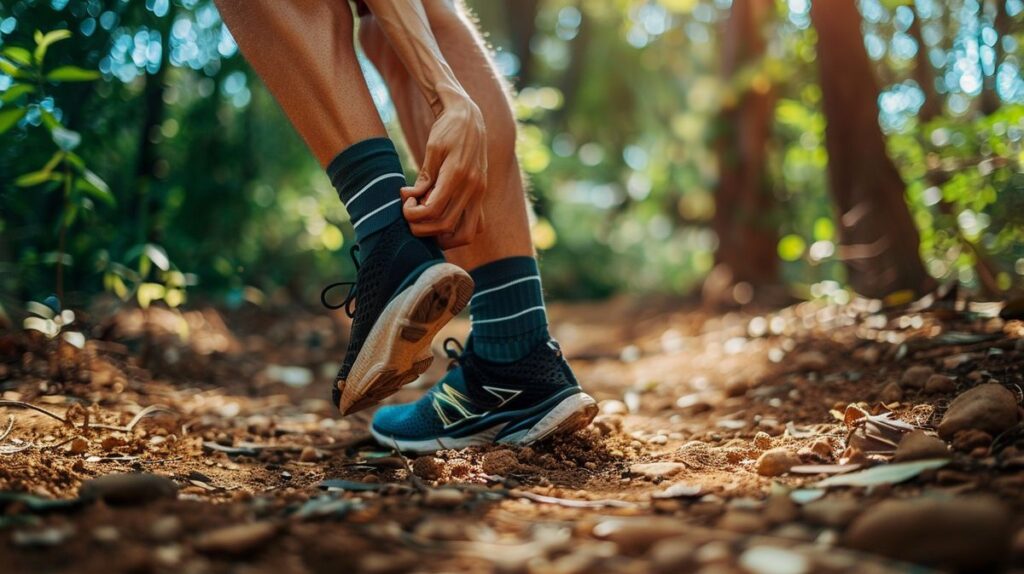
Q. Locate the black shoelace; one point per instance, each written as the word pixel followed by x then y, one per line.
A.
pixel 350 297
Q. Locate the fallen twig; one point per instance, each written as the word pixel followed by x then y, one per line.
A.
pixel 131 425
pixel 570 503
pixel 7 431
pixel 24 405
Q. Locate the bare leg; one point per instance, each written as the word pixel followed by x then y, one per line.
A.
pixel 506 225
pixel 303 51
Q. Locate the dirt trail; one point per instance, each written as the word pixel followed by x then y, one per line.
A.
pixel 690 466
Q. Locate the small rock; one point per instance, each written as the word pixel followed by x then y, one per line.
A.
pixel 891 393
pixel 811 361
pixel 613 407
pixel 106 534
pixel 971 439
pixel 743 521
pixel 776 461
pixel 919 445
pixel 443 498
pixel 635 535
pixel 964 534
pixel 500 462
pixel 128 489
pixel 238 539
pixel 940 384
pixel 774 560
pixel 165 529
pixel 780 509
pixel 823 448
pixel 654 470
pixel 658 439
pixel 52 536
pixel 991 408
pixel 78 446
pixel 671 555
pixel 916 376
pixel 762 441
pixel 428 467
pixel 608 425
pixel 832 512
pixel 736 388
pixel 309 454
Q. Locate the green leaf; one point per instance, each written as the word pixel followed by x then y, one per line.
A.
pixel 44 41
pixel 72 74
pixel 8 67
pixel 35 178
pixel 15 92
pixel 885 474
pixel 9 118
pixel 158 256
pixel 18 54
pixel 91 184
pixel 54 160
pixel 49 120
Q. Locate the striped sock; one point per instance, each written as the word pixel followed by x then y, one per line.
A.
pixel 368 176
pixel 507 309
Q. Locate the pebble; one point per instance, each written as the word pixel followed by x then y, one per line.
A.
pixel 919 445
pixel 774 560
pixel 658 439
pixel 238 539
pixel 443 498
pixel 940 384
pixel 106 534
pixel 635 536
pixel 655 470
pixel 500 462
pixel 832 512
pixel 672 555
pixel 428 467
pixel 309 454
pixel 915 377
pixel 762 441
pixel 78 446
pixel 608 425
pixel 811 361
pixel 780 509
pixel 964 534
pixel 743 521
pixel 891 393
pixel 990 408
pixel 776 461
pixel 613 407
pixel 128 489
pixel 165 528
pixel 736 388
pixel 971 439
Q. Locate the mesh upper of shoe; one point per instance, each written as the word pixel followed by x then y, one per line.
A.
pixel 396 254
pixel 531 380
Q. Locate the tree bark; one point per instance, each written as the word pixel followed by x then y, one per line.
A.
pixel 924 75
pixel 744 201
pixel 879 240
pixel 522 17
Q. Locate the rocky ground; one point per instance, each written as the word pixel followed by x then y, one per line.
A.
pixel 815 438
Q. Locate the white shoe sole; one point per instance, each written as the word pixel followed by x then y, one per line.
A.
pixel 397 350
pixel 575 412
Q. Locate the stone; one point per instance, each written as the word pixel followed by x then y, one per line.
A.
pixel 940 384
pixel 916 376
pixel 128 489
pixel 764 559
pixel 990 408
pixel 671 555
pixel 428 467
pixel 742 521
pixel 971 439
pixel 613 407
pixel 919 445
pixel 499 462
pixel 736 388
pixel 891 393
pixel 444 498
pixel 832 512
pixel 963 534
pixel 776 462
pixel 309 454
pixel 780 509
pixel 823 448
pixel 655 470
pixel 634 536
pixel 811 361
pixel 608 425
pixel 165 528
pixel 78 446
pixel 762 441
pixel 237 539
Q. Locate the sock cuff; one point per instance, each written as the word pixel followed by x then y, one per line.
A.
pixel 368 176
pixel 500 272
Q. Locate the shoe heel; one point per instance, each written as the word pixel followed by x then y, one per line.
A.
pixel 574 413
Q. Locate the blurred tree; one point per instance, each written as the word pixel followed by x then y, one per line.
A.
pixel 879 240
pixel 744 200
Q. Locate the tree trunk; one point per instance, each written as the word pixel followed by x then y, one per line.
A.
pixel 522 17
pixel 747 236
pixel 879 240
pixel 990 101
pixel 924 75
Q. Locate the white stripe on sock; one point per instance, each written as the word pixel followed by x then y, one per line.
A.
pixel 371 184
pixel 509 284
pixel 513 316
pixel 375 212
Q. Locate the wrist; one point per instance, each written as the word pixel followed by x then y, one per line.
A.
pixel 449 96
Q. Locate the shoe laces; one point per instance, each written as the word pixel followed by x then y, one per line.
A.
pixel 455 351
pixel 350 297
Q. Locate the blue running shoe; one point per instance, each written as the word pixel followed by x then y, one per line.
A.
pixel 479 402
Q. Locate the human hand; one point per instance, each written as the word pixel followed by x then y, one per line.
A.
pixel 446 201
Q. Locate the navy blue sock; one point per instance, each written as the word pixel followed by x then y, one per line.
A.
pixel 368 176
pixel 507 309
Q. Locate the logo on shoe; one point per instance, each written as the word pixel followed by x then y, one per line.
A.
pixel 460 404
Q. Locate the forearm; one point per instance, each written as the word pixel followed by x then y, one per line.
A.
pixel 405 24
